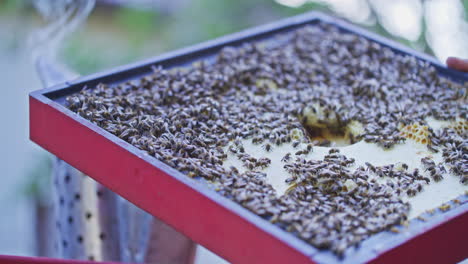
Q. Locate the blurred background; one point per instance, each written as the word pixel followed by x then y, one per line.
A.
pixel 119 32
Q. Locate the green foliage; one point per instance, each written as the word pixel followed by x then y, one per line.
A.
pixel 82 59
pixel 148 32
pixel 465 5
pixel 309 6
pixel 7 6
pixel 137 24
pixel 39 173
pixel 86 60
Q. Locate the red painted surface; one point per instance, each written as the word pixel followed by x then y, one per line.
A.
pixel 445 243
pixel 5 259
pixel 188 211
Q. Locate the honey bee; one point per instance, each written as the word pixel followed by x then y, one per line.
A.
pixel 286 157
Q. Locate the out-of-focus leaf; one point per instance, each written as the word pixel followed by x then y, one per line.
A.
pixel 465 5
pixel 136 23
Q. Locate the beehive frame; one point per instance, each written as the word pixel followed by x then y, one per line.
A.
pixel 216 222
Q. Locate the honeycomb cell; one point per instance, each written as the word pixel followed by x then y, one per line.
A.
pixel 416 132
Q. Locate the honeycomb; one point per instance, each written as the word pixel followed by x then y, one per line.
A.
pixel 416 132
pixel 270 84
pixel 355 128
pixel 322 123
pixel 460 126
pixel 319 116
pixel 296 134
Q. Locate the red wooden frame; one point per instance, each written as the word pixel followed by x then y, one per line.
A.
pixel 191 207
pixel 156 190
pixel 6 259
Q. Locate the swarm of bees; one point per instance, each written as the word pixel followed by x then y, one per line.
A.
pixel 191 118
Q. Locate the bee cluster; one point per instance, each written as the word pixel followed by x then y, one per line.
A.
pixel 192 117
pixel 454 147
pixel 325 205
